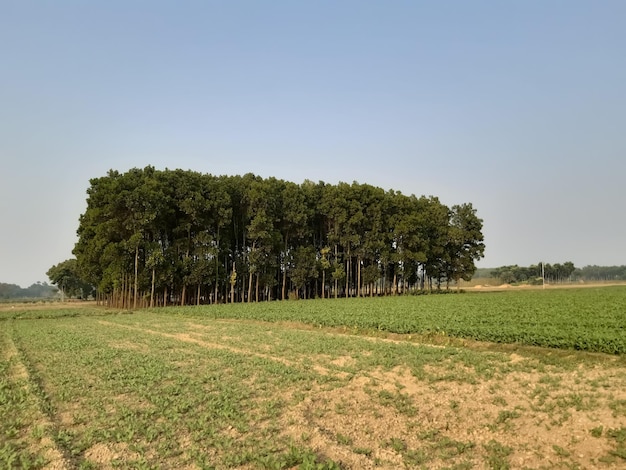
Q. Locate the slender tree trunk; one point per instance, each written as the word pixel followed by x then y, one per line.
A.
pixel 136 270
pixel 217 262
pixel 129 293
pixel 256 288
pixel 183 294
pixel 250 276
pixel 152 288
pixel 323 283
pixel 348 266
pixel 285 270
pixel 358 276
pixel 232 285
pixel 198 295
pixel 336 281
pixel 217 278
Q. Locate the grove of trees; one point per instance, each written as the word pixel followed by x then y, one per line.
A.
pixel 553 273
pixel 558 273
pixel 154 237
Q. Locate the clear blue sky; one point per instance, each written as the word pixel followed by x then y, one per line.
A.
pixel 518 107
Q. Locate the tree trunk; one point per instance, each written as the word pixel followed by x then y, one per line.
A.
pixel 152 289
pixel 358 276
pixel 250 275
pixel 136 269
pixel 336 282
pixel 129 293
pixel 217 262
pixel 284 271
pixel 198 295
pixel 232 285
pixel 348 266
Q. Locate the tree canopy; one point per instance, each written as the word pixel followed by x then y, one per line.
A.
pixel 155 237
pixel 67 278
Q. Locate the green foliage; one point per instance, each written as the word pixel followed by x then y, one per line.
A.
pixel 68 279
pixel 534 274
pixel 178 237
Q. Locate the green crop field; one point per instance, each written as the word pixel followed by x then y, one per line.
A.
pixel 356 383
pixel 591 319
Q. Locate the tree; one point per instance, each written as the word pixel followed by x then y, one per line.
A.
pixel 66 277
pixel 465 244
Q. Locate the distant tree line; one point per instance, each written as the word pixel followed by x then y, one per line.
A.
pixel 601 273
pixel 535 273
pixel 35 291
pixel 558 273
pixel 153 237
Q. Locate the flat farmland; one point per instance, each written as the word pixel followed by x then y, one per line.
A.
pixel 490 380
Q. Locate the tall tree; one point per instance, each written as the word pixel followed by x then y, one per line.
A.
pixel 464 245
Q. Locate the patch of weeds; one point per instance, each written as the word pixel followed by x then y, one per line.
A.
pixel 396 444
pixel 449 448
pixel 343 439
pixel 454 405
pixel 540 395
pixel 341 408
pixel 415 457
pixel 460 466
pixel 506 415
pixel 552 380
pixel 560 451
pixel 618 407
pixel 429 435
pixel 499 401
pixel 561 419
pixel 295 457
pixel 504 418
pixel 362 451
pixel 578 401
pixel 597 432
pixel 497 455
pixel 400 401
pixel 619 435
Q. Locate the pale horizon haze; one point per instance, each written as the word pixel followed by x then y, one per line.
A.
pixel 516 107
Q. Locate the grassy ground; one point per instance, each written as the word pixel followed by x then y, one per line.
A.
pixel 88 388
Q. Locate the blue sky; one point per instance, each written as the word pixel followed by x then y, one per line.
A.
pixel 517 107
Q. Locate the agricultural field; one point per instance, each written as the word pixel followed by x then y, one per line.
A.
pixel 490 380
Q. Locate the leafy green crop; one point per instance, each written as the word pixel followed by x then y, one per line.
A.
pixel 591 319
